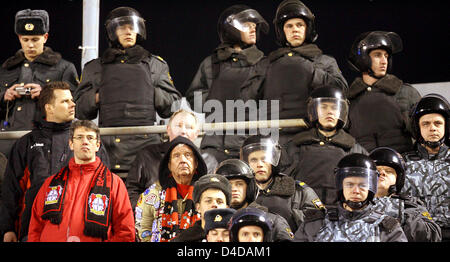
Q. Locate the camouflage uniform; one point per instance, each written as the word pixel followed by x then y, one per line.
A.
pixel 341 225
pixel 427 177
pixel 414 218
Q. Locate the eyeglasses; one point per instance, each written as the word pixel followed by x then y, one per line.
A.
pixel 90 139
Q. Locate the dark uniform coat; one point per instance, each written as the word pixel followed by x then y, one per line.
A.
pixel 227 75
pixel 314 157
pixel 291 76
pixel 133 86
pixel 379 114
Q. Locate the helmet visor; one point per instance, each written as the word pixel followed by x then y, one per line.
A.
pixel 246 20
pixel 363 178
pixel 328 111
pixel 134 23
pixel 267 151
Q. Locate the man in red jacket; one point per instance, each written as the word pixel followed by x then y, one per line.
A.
pixel 84 201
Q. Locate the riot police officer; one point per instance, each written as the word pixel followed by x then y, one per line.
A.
pixel 23 75
pixel 127 86
pixel 279 192
pixel 409 211
pixel 428 167
pixel 315 152
pixel 244 192
pixel 298 66
pixel 379 101
pixel 250 225
pixel 233 72
pixel 354 219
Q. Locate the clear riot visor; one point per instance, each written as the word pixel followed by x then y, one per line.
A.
pixel 133 23
pixel 266 151
pixel 247 20
pixel 357 177
pixel 328 109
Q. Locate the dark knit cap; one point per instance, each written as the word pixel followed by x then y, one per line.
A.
pixel 212 181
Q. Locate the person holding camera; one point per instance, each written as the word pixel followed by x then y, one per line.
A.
pixel 23 75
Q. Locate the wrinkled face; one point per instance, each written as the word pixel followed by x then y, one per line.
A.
pixel 238 192
pixel 218 235
pixel 33 45
pixel 379 59
pixel 249 36
pixel 183 124
pixel 262 169
pixel 182 164
pixel 328 114
pixel 126 35
pixel 251 234
pixel 62 109
pixel 295 31
pixel 355 189
pixel 387 178
pixel 84 144
pixel 432 127
pixel 211 198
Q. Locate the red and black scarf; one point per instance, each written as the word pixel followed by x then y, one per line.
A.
pixel 172 221
pixel 97 218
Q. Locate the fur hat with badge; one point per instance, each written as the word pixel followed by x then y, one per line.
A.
pixel 212 181
pixel 31 22
pixel 218 218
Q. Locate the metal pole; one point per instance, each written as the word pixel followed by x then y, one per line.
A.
pixel 138 130
pixel 91 17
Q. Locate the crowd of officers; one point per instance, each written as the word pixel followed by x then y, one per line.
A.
pixel 372 163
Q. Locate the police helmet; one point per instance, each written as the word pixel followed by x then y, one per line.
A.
pixel 317 102
pixel 359 58
pixel 431 103
pixel 385 156
pixel 249 217
pixel 289 9
pixel 125 16
pixel 357 165
pixel 233 20
pixel 238 169
pixel 261 143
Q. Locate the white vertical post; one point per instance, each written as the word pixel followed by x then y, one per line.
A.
pixel 91 16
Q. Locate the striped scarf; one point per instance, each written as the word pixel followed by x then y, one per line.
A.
pixel 172 222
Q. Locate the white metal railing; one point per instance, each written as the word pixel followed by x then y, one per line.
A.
pixel 211 127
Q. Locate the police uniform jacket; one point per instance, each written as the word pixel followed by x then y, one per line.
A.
pixel 227 75
pixel 378 114
pixel 314 157
pixel 291 76
pixel 34 157
pixel 133 86
pixel 416 222
pixel 289 198
pixel 427 177
pixel 341 225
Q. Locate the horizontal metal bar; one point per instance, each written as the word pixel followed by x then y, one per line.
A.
pixel 157 129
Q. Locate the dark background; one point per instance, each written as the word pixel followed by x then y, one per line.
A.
pixel 184 32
